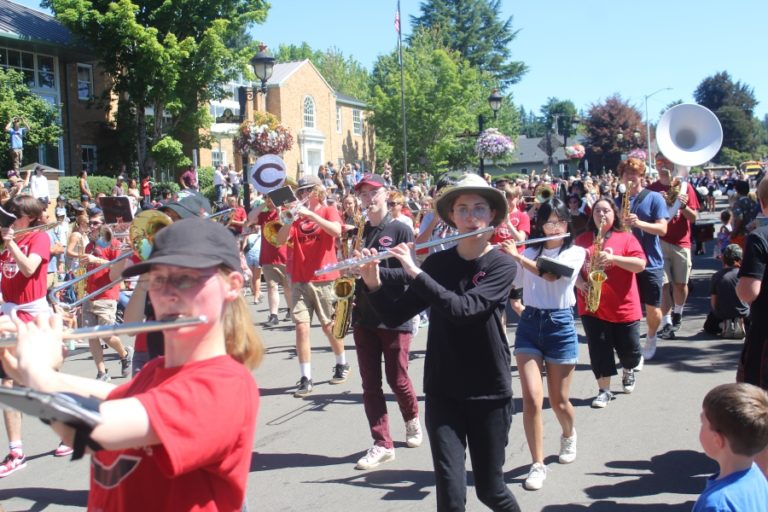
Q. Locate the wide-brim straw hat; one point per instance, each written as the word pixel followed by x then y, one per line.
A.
pixel 472 184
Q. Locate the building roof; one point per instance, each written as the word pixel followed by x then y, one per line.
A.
pixel 527 150
pixel 350 100
pixel 282 71
pixel 26 24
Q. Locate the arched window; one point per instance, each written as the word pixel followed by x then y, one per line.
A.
pixel 309 112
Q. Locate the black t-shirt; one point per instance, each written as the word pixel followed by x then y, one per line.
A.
pixel 727 304
pixel 755 265
pixel 386 235
pixel 467 353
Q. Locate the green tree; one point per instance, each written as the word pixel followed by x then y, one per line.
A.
pixel 475 29
pixel 719 90
pixel 167 58
pixel 444 95
pixel 602 125
pixel 16 100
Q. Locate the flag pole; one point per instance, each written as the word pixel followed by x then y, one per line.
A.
pixel 402 92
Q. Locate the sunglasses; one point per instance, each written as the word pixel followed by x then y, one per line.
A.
pixel 392 204
pixel 180 282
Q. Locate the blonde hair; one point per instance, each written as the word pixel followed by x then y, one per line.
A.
pixel 241 339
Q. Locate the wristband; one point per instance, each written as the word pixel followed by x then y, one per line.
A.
pixel 83 440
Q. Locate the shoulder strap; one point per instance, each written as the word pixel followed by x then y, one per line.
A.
pixel 639 199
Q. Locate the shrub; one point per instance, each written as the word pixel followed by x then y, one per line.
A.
pixel 205 177
pixel 70 186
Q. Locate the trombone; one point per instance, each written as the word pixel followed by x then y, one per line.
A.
pixel 129 329
pixel 142 233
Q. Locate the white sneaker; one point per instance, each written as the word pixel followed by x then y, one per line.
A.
pixel 567 449
pixel 603 398
pixel 649 350
pixel 413 434
pixel 375 456
pixel 640 365
pixel 536 476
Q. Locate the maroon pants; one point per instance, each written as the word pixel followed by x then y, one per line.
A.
pixel 371 344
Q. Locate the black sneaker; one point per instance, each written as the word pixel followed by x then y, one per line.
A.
pixel 340 373
pixel 125 362
pixel 103 376
pixel 677 321
pixel 305 388
pixel 288 317
pixel 628 381
pixel 271 321
pixel 667 332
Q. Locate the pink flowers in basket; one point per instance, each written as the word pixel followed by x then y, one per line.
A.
pixel 638 153
pixel 494 145
pixel 265 135
pixel 575 152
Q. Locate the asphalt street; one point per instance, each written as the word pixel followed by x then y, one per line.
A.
pixel 641 453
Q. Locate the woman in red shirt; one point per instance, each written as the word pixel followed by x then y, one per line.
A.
pixel 615 324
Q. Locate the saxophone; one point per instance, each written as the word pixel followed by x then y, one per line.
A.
pixel 344 287
pixel 625 207
pixel 595 273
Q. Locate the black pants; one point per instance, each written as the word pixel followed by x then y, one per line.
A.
pixel 605 337
pixel 483 426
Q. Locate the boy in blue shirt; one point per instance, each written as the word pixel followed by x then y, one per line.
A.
pixel 734 429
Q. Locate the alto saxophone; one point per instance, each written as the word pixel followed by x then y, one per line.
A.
pixel 625 211
pixel 344 287
pixel 596 275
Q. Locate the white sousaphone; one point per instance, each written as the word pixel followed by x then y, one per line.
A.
pixel 688 135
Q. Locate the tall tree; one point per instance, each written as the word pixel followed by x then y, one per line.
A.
pixel 444 95
pixel 16 100
pixel 476 30
pixel 165 58
pixel 559 114
pixel 603 124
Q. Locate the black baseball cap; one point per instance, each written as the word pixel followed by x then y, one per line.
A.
pixel 194 242
pixel 192 205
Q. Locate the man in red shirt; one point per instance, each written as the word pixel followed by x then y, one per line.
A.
pixel 676 249
pixel 273 260
pixel 237 216
pixel 314 234
pixel 101 309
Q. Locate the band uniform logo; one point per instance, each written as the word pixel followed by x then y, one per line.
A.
pixel 9 266
pixel 111 476
pixel 385 241
pixel 478 277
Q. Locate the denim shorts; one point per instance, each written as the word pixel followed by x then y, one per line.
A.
pixel 549 334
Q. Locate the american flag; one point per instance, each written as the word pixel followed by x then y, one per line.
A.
pixel 397 18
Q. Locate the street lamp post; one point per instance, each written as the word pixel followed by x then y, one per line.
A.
pixel 494 101
pixel 263 63
pixel 648 123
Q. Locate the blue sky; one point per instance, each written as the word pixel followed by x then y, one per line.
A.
pixel 582 51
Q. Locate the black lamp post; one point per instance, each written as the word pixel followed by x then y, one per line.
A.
pixel 627 144
pixel 494 101
pixel 263 63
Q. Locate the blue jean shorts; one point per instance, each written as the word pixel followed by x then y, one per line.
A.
pixel 549 334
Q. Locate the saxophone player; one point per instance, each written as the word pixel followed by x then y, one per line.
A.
pixel 647 215
pixel 614 325
pixel 374 341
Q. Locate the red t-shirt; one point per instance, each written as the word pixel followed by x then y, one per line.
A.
pixel 520 220
pixel 101 278
pixel 146 188
pixel 205 416
pixel 678 227
pixel 313 248
pixel 270 255
pixel 19 289
pixel 619 297
pixel 238 215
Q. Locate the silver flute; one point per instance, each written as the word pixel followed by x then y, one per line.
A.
pixel 357 262
pixel 116 330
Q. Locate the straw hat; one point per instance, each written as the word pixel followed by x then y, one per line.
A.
pixel 472 184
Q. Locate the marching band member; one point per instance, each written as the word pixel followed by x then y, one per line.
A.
pixel 648 217
pixel 314 235
pixel 24 262
pixel 615 324
pixel 179 435
pixel 546 335
pixel 374 341
pixel 467 381
pixel 273 261
pixel 517 227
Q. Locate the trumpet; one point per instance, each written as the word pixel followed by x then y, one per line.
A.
pixel 129 329
pixel 288 215
pixel 142 234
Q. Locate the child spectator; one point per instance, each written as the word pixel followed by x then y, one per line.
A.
pixel 728 310
pixel 734 429
pixel 724 236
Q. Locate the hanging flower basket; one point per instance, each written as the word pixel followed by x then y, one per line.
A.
pixel 638 153
pixel 494 145
pixel 575 152
pixel 262 136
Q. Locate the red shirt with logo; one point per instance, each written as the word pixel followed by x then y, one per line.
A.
pixel 15 286
pixel 520 221
pixel 204 414
pixel 313 248
pixel 678 227
pixel 619 296
pixel 270 255
pixel 101 278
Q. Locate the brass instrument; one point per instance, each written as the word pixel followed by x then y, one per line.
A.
pixel 344 287
pixel 42 227
pixel 674 190
pixel 543 193
pixel 288 215
pixel 129 329
pixel 142 232
pixel 270 230
pixel 596 275
pixel 625 205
